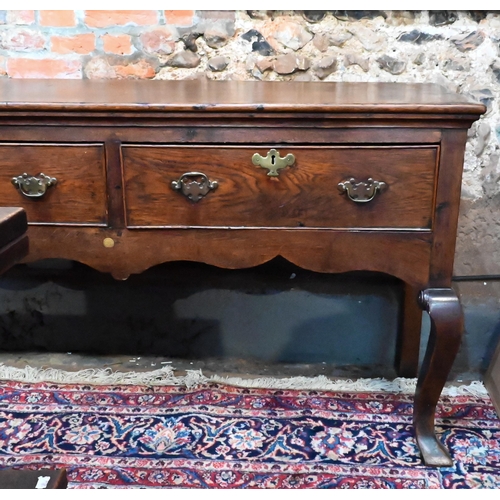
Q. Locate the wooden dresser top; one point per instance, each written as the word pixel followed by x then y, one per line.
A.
pixel 230 96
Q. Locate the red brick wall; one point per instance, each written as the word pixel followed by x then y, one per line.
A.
pixel 87 44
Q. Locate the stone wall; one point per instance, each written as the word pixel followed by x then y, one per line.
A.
pixel 459 50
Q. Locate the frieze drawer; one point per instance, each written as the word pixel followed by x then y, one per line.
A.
pixel 55 183
pixel 271 186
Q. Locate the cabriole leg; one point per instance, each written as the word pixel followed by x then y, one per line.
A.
pixel 446 316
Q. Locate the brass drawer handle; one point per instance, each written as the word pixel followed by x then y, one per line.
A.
pixel 33 186
pixel 273 162
pixel 362 192
pixel 195 189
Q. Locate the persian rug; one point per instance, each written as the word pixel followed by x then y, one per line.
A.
pixel 159 431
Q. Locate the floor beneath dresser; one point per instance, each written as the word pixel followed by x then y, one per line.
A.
pixel 223 367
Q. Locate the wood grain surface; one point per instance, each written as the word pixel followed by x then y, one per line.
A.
pixel 78 197
pixel 303 195
pixel 214 96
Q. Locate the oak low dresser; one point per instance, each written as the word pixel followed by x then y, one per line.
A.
pixel 122 175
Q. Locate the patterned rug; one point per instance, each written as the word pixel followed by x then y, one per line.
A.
pixel 220 436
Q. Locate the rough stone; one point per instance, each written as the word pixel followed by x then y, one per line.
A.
pixel 478 241
pixel 490 176
pixel 496 71
pixel 259 43
pixel 159 41
pixel 258 14
pixel 400 17
pixel 477 15
pixel 289 63
pixel 483 95
pixel 339 39
pixel 285 65
pixel 184 59
pixel 369 39
pixel 314 16
pixel 250 63
pixel 303 63
pixel 472 130
pixel 326 66
pixel 470 42
pixel 357 15
pixel 216 27
pixel 290 34
pixel 483 132
pixel 189 40
pixel 216 36
pixel 218 63
pixel 252 36
pixel 263 48
pixel 264 64
pixel 256 73
pixel 351 59
pixel 419 59
pixel 442 17
pixel 391 65
pixel 417 37
pixel 456 65
pixel 321 42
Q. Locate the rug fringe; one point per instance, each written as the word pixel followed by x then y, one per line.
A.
pixel 322 383
pixel 194 378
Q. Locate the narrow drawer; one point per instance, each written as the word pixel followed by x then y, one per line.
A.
pixel 77 196
pixel 305 193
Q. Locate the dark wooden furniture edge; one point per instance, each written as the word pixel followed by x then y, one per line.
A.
pixel 446 317
pixel 28 478
pixel 14 242
pixel 491 379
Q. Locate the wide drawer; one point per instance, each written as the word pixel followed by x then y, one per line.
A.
pixel 78 194
pixel 303 194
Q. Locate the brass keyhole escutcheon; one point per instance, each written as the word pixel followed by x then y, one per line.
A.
pixel 273 161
